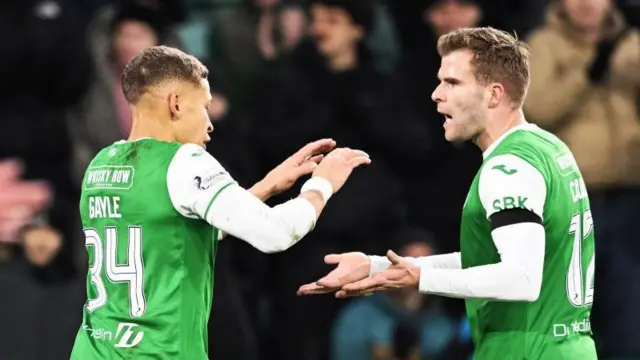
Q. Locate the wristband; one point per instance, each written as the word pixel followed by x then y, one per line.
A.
pixel 319 184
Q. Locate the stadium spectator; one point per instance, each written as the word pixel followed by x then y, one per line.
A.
pixel 116 35
pixel 43 72
pixel 248 38
pixel 26 305
pixel 585 69
pixel 330 86
pixel 419 28
pixel 245 42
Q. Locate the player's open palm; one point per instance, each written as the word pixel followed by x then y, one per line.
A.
pixel 401 274
pixel 303 162
pixel 351 267
pixel 337 166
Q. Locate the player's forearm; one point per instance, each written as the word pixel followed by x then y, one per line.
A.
pixel 518 276
pixel 261 191
pixel 239 213
pixel 264 192
pixel 489 282
pixel 443 261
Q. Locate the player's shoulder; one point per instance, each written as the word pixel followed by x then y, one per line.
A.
pixel 190 150
pixel 190 155
pixel 147 149
pixel 508 181
pixel 520 159
pixel 505 168
pixel 104 154
pixel 192 174
pixel 194 162
pixel 536 146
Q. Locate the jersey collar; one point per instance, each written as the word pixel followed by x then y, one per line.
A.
pixel 124 141
pixel 494 145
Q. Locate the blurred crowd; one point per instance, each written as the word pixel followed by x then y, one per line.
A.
pixel 283 73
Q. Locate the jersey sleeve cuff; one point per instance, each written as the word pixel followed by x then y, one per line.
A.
pixel 378 264
pixel 424 284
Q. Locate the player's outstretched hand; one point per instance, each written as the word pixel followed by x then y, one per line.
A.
pixel 351 267
pixel 303 162
pixel 401 274
pixel 337 166
pixel 19 200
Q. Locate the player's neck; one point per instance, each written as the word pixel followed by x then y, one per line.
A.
pixel 496 127
pixel 146 124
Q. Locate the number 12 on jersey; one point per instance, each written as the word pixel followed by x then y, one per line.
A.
pixel 132 272
pixel 579 292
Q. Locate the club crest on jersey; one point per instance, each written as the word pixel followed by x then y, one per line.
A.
pixel 206 181
pixel 200 185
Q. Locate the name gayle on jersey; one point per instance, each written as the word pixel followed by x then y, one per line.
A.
pixel 104 207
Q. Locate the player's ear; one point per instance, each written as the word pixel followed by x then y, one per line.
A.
pixel 497 95
pixel 174 105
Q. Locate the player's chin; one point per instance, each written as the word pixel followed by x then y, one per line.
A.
pixel 451 135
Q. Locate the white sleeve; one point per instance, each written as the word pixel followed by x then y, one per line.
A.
pixel 509 182
pixel 506 182
pixel 199 187
pixel 517 277
pixel 443 261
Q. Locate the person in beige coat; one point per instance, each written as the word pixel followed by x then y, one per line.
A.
pixel 585 76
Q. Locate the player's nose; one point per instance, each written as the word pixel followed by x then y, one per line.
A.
pixel 209 127
pixel 437 95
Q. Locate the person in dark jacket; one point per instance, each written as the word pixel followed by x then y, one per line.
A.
pixel 44 71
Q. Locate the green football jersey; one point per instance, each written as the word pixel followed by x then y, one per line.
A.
pixel 150 281
pixel 529 168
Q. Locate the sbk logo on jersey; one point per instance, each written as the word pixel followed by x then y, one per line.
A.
pixel 126 336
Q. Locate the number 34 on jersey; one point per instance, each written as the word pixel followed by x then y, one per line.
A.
pixel 106 262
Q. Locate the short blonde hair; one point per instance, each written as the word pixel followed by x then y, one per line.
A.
pixel 499 57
